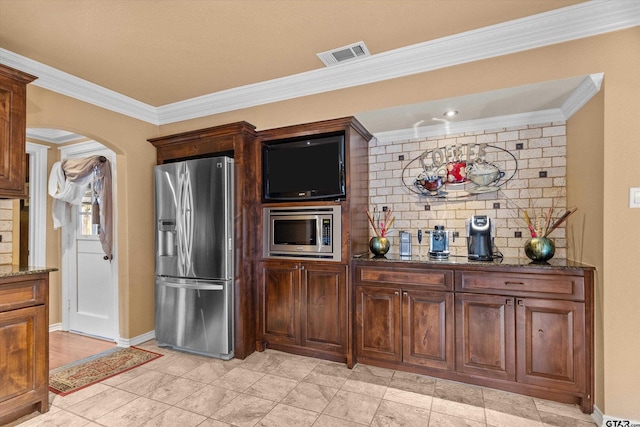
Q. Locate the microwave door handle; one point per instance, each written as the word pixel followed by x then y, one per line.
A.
pixel 318 232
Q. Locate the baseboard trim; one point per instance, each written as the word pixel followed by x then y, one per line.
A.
pixel 128 342
pixel 55 327
pixel 597 415
pixel 603 420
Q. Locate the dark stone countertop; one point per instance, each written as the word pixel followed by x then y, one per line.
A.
pixel 9 270
pixel 461 261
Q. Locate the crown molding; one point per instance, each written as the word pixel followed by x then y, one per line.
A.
pixel 83 90
pixel 53 136
pixel 580 96
pixel 452 128
pixel 570 23
pixel 583 93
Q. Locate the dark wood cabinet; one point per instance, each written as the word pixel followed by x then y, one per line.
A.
pixel 237 140
pixel 485 336
pixel 525 329
pixel 405 316
pixel 315 293
pixel 323 312
pixel 428 329
pixel 303 307
pixel 551 343
pixel 279 299
pixel 378 323
pixel 24 354
pixel 13 128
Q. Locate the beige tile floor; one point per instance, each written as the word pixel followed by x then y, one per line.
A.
pixel 278 389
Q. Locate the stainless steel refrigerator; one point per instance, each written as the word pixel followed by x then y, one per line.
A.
pixel 194 256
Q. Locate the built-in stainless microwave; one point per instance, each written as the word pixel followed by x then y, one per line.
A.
pixel 309 232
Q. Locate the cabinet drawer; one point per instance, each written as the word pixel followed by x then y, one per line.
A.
pixel 22 293
pixel 432 279
pixel 552 285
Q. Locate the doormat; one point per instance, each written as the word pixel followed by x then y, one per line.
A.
pixel 83 373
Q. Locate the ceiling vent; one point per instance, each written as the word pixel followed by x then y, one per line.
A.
pixel 344 54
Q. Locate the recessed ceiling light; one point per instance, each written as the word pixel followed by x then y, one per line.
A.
pixel 450 113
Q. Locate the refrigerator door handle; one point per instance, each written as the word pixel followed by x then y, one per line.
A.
pixel 205 285
pixel 185 214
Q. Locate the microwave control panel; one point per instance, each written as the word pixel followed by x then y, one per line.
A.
pixel 326 232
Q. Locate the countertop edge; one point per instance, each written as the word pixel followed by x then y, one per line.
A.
pixel 7 271
pixel 463 262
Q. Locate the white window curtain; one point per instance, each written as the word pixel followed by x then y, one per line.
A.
pixel 67 185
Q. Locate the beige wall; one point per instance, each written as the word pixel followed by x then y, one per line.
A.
pixel 615 54
pixel 585 176
pixel 135 159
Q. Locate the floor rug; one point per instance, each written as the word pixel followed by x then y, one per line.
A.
pixel 75 376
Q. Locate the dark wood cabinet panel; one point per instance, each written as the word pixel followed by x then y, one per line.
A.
pixel 556 286
pixel 18 330
pixel 324 311
pixel 485 335
pixel 551 343
pixel 378 323
pixel 428 332
pixel 13 128
pixel 24 353
pixel 423 278
pixel 279 299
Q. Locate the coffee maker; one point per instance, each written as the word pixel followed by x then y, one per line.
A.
pixel 479 238
pixel 439 243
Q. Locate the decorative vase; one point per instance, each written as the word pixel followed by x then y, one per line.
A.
pixel 539 249
pixel 379 246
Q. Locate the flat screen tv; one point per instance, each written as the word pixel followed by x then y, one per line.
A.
pixel 308 169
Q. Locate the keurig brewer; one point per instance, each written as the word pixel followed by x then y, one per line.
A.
pixel 479 240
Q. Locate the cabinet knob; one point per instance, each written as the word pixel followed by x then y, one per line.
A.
pixel 302 267
pixel 295 267
pixel 520 302
pixel 396 293
pixel 405 294
pixel 509 302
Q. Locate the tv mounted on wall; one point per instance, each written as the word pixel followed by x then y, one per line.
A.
pixel 305 169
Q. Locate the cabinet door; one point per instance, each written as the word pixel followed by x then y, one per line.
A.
pixel 485 335
pixel 323 309
pixel 427 329
pixel 278 301
pixel 12 137
pixel 551 343
pixel 378 323
pixel 24 367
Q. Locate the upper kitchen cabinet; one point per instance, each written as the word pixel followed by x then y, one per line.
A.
pixel 13 128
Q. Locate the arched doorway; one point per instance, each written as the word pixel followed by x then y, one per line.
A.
pixel 88 294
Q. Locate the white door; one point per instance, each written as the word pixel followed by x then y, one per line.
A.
pixel 89 282
pixel 91 305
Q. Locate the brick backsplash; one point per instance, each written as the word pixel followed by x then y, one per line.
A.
pixel 543 149
pixel 6 231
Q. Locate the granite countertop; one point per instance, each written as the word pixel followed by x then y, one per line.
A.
pixel 460 261
pixel 15 270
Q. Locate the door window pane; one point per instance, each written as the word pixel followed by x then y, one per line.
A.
pixel 86 215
